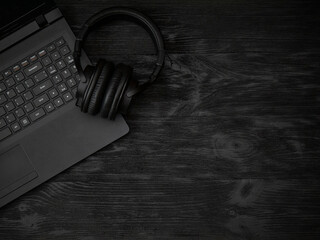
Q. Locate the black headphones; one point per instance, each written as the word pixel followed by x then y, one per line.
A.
pixel 107 89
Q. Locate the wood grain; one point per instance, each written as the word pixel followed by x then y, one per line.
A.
pixel 225 145
pixel 123 206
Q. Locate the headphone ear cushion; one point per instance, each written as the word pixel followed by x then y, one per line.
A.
pixel 111 92
pixel 100 88
pixel 117 103
pixel 94 76
pixel 83 86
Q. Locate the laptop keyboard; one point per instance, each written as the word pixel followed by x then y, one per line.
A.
pixel 36 86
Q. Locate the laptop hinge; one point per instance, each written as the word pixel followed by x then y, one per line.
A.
pixel 39 23
pixel 42 21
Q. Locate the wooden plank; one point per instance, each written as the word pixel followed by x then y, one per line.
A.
pixel 267 85
pixel 146 207
pixel 207 147
pixel 222 26
pixel 202 7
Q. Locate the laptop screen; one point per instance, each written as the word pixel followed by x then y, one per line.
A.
pixel 17 13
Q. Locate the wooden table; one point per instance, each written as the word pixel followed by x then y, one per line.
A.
pixel 225 145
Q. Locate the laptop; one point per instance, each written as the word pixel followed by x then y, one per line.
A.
pixel 42 132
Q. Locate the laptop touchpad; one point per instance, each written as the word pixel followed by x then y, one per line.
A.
pixel 15 170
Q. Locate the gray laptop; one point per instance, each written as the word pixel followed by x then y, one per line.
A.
pixel 42 132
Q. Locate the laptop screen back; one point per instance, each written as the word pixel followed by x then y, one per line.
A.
pixel 17 13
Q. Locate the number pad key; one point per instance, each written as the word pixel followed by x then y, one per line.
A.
pixel 53 93
pixel 57 78
pixel 66 73
pixel 71 82
pixel 55 56
pixel 62 88
pixel 58 102
pixel 61 64
pixel 52 69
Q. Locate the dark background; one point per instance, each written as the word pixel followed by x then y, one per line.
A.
pixel 225 145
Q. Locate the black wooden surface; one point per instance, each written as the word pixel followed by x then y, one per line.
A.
pixel 225 145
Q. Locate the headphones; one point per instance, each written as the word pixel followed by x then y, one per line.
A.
pixel 107 89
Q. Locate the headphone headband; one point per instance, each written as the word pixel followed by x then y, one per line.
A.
pixel 142 19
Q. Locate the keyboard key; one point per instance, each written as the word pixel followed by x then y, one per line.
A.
pixel 28 107
pixel 19 76
pixel 70 59
pixel 42 87
pixel 78 77
pixel 42 53
pixel 52 69
pixel 62 88
pixel 19 112
pixel 24 63
pixel 10 118
pixel 55 56
pixel 53 93
pixel 41 100
pixel 58 102
pixel 57 78
pixel 37 114
pixel 74 69
pixel 20 88
pixel 28 96
pixel 10 82
pixel 16 68
pixel 40 76
pixel 5 133
pixel 29 83
pixel 64 50
pixel 71 82
pixel 61 64
pixel 51 48
pixel 2 111
pixel 7 73
pixel 49 107
pixel 1 77
pixel 66 73
pixel 33 58
pixel 25 122
pixel 3 99
pixel 2 123
pixel 15 127
pixel 67 97
pixel 60 42
pixel 2 87
pixel 11 93
pixel 19 101
pixel 33 69
pixel 46 61
pixel 9 106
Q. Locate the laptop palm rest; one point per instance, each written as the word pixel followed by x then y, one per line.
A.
pixel 15 170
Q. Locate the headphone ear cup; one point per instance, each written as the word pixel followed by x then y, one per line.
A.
pixel 100 88
pixel 91 84
pixel 83 85
pixel 121 90
pixel 115 91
